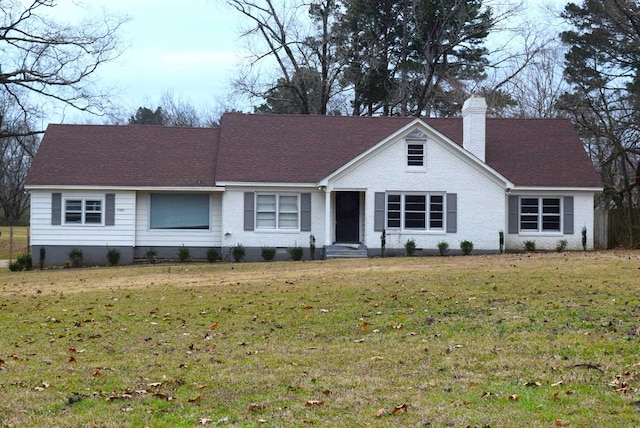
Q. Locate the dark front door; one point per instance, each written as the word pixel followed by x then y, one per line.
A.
pixel 348 217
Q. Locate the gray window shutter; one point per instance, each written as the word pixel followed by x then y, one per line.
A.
pixel 305 212
pixel 110 209
pixel 513 214
pixel 378 219
pixel 568 215
pixel 56 209
pixel 249 202
pixel 452 212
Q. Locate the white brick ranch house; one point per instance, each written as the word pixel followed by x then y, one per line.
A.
pixel 275 180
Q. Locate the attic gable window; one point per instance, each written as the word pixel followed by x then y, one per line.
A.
pixel 83 211
pixel 415 155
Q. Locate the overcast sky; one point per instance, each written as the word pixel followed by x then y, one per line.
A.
pixel 189 48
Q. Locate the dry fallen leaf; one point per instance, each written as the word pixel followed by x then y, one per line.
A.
pixel 400 407
pixel 163 396
pixel 314 403
pixel 555 396
pixel 558 423
pixel 214 325
pixel 514 397
pixel 196 399
pixel 558 383
pixel 364 326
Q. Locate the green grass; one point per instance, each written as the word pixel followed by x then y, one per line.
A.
pixel 518 340
pixel 20 240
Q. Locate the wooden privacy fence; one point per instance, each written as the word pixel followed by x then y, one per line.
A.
pixel 611 228
pixel 600 229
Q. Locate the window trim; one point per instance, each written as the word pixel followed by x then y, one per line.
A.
pixel 400 215
pixel 540 214
pixel 278 213
pixel 83 212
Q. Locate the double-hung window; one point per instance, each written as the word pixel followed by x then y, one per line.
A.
pixel 540 214
pixel 83 211
pixel 415 211
pixel 277 211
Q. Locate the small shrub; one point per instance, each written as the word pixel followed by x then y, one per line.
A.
pixel 113 256
pixel 268 254
pixel 562 245
pixel 183 254
pixel 443 247
pixel 212 255
pixel 75 256
pixel 295 253
pixel 530 246
pixel 383 242
pixel 25 261
pixel 584 238
pixel 14 266
pixel 501 240
pixel 410 247
pixel 466 247
pixel 151 256
pixel 238 252
pixel 43 254
pixel 312 247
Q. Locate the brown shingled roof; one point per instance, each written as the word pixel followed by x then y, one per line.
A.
pixel 306 149
pixel 102 155
pixel 289 149
pixel 539 153
pixel 295 148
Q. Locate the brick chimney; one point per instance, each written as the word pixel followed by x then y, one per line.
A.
pixel 474 115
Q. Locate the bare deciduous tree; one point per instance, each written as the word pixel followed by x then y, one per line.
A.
pixel 297 36
pixel 43 60
pixel 17 145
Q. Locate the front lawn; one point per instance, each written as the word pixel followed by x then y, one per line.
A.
pixel 535 340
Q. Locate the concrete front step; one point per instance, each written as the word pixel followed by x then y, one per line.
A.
pixel 345 252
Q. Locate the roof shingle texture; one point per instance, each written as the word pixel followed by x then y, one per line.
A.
pixel 306 149
pixel 289 149
pixel 139 156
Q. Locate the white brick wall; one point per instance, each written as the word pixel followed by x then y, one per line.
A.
pixel 233 232
pixel 582 216
pixel 481 199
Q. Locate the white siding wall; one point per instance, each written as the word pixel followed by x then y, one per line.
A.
pixel 233 221
pixel 146 237
pixel 582 216
pixel 43 233
pixel 481 200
